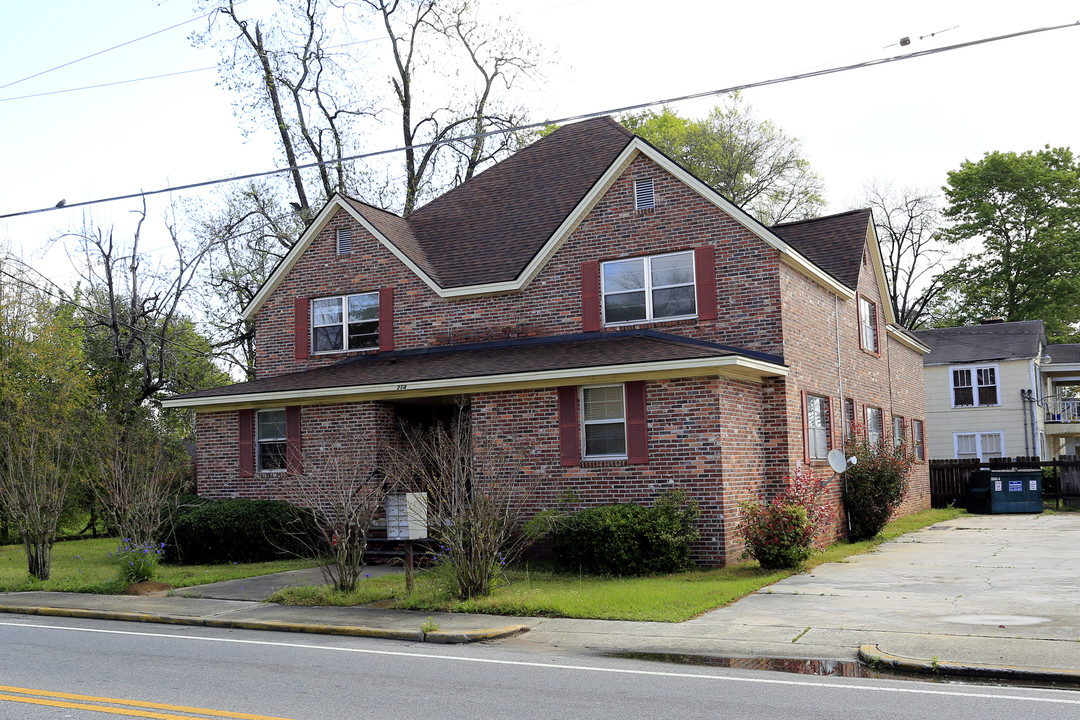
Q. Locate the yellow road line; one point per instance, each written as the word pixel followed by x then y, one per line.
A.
pixel 119 711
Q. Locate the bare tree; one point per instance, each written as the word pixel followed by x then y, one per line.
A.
pixel 498 56
pixel 139 342
pixel 908 225
pixel 139 478
pixel 478 496
pixel 344 492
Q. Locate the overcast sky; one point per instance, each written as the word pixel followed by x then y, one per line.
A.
pixel 907 123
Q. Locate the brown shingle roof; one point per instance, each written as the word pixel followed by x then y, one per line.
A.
pixel 488 359
pixel 488 229
pixel 834 243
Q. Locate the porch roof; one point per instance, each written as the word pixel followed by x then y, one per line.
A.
pixel 519 363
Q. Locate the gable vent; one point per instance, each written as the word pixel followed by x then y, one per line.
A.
pixel 344 242
pixel 643 195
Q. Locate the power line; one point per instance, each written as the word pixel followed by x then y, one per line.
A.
pixel 156 77
pixel 114 47
pixel 571 118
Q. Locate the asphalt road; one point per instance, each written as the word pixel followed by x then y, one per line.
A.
pixel 200 672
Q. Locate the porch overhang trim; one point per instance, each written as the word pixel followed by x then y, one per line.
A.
pixel 736 367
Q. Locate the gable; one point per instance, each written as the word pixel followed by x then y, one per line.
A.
pixel 494 233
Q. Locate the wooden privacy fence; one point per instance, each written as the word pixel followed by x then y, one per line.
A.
pixel 950 479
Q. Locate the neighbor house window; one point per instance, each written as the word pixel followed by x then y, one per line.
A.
pixel 649 288
pixel 271 440
pixel 978 445
pixel 974 386
pixel 347 322
pixel 897 431
pixel 817 427
pixel 603 421
pixel 875 431
pixel 868 325
pixel 644 199
pixel 918 439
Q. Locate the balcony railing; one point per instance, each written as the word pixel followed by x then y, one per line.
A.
pixel 1062 410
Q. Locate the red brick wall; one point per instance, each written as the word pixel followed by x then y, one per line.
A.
pixel 747 270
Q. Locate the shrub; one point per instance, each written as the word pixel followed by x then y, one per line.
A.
pixel 136 561
pixel 874 487
pixel 239 530
pixel 629 539
pixel 780 533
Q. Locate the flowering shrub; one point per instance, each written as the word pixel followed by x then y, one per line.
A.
pixel 874 487
pixel 137 561
pixel 780 533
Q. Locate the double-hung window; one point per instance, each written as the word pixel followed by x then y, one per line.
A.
pixel 868 325
pixel 974 386
pixel 918 440
pixel 979 445
pixel 897 431
pixel 603 420
pixel 817 427
pixel 875 431
pixel 346 322
pixel 657 287
pixel 271 440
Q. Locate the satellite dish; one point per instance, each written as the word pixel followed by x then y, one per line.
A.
pixel 837 461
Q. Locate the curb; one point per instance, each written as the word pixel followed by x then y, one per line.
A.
pixel 442 637
pixel 873 656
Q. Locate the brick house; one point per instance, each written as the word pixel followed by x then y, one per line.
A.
pixel 592 297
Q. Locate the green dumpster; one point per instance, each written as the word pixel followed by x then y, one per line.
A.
pixel 1005 491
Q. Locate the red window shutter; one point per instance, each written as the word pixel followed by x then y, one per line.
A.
pixel 246 421
pixel 302 331
pixel 569 435
pixel 293 449
pixel 705 277
pixel 386 319
pixel 637 431
pixel 805 428
pixel 590 296
pixel 829 442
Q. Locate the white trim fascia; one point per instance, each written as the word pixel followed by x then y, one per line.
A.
pixel 879 271
pixel 738 367
pixel 905 340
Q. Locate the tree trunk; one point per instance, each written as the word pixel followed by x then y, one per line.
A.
pixel 38 557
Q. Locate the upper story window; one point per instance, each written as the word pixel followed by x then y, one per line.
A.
pixel 875 431
pixel 270 440
pixel 657 287
pixel 644 197
pixel 974 386
pixel 897 431
pixel 868 325
pixel 347 322
pixel 603 420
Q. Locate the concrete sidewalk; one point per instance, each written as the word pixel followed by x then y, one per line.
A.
pixel 993 596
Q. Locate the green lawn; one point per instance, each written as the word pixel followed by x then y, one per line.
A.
pixel 529 591
pixel 84 566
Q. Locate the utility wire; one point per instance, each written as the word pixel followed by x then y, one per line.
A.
pixel 570 118
pixel 155 77
pixel 114 47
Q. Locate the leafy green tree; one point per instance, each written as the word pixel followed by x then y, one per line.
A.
pixel 749 161
pixel 1021 215
pixel 45 397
